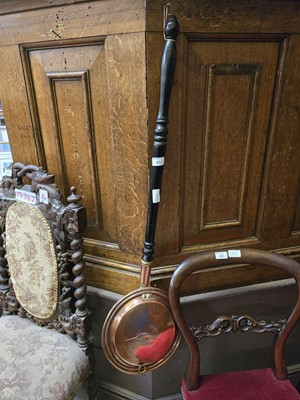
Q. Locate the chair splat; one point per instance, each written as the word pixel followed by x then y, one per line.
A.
pixel 234 323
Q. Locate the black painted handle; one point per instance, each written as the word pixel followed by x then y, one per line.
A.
pixel 161 131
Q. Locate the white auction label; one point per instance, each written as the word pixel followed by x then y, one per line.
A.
pixel 158 161
pixel 26 197
pixel 155 195
pixel 44 198
pixel 234 253
pixel 8 172
pixel 221 255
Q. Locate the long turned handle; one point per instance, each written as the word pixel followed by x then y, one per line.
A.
pixel 160 143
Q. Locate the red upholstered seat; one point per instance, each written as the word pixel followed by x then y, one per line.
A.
pixel 259 384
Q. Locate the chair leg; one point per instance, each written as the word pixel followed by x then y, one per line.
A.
pixel 92 387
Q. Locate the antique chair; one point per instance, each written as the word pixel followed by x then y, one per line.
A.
pixel 267 384
pixel 45 348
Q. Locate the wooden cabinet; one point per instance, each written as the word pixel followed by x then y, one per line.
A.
pixel 79 86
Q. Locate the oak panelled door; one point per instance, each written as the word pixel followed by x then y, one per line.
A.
pixel 228 114
pixel 70 91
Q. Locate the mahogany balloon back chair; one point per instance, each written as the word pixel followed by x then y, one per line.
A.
pixel 263 384
pixel 45 348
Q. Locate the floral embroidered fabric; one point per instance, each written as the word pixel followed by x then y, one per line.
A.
pixel 32 259
pixel 37 363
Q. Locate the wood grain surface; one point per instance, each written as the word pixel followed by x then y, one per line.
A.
pixel 79 84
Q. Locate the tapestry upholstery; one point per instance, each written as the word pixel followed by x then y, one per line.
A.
pixel 32 260
pixel 259 384
pixel 37 363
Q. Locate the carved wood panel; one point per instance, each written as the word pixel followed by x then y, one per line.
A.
pixel 90 123
pixel 70 96
pixel 230 86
